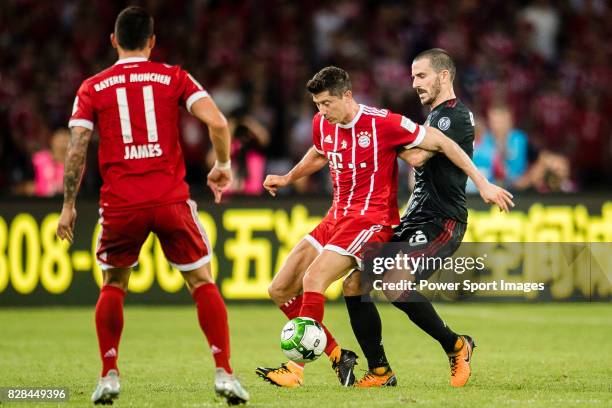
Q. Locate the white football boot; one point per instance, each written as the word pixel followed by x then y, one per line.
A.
pixel 107 389
pixel 228 387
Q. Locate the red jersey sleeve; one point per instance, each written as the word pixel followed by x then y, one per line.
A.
pixel 407 133
pixel 317 133
pixel 82 110
pixel 190 89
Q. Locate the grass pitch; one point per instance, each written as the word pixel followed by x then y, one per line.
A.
pixel 540 355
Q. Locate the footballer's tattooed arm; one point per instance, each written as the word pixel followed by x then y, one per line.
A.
pixel 75 163
pixel 73 172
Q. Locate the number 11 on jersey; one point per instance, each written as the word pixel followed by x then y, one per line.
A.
pixel 124 114
pixel 139 151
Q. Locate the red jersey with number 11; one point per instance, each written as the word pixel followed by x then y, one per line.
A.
pixel 135 104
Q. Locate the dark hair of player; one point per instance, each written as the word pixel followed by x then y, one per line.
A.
pixel 133 27
pixel 332 79
pixel 439 60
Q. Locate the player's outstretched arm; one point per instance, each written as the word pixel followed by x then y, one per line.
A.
pixel 73 173
pixel 312 162
pixel 416 157
pixel 220 176
pixel 435 140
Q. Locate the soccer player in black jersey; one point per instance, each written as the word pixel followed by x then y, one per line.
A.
pixel 434 223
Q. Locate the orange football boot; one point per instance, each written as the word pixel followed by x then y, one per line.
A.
pixel 378 377
pixel 460 361
pixel 290 375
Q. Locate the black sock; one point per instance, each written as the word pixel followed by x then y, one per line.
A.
pixel 422 313
pixel 367 327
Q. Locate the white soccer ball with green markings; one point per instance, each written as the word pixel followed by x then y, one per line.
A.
pixel 303 340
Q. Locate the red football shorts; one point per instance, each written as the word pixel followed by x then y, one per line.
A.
pixel 177 226
pixel 346 235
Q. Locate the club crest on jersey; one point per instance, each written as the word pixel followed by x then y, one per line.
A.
pixel 364 139
pixel 444 123
pixel 343 145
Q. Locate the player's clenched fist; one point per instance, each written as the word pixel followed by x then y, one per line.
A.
pixel 272 183
pixel 218 181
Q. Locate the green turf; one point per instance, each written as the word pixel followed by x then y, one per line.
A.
pixel 542 355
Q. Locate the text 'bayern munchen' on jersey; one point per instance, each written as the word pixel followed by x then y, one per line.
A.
pixel 362 158
pixel 135 104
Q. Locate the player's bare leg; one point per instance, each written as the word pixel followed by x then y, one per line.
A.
pixel 367 327
pixel 109 325
pixel 285 290
pixel 287 283
pixel 328 267
pixel 212 316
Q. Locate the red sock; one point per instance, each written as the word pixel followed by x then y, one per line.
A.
pixel 212 316
pixel 109 324
pixel 331 342
pixel 291 309
pixel 313 306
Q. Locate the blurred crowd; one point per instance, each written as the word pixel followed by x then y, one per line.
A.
pixel 537 74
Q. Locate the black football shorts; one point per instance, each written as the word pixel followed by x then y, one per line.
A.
pixel 438 238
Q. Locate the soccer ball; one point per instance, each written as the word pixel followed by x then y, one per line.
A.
pixel 303 340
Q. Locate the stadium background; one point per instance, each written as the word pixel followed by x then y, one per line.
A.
pixel 548 62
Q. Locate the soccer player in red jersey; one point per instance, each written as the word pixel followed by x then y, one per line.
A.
pixel 360 145
pixel 135 104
